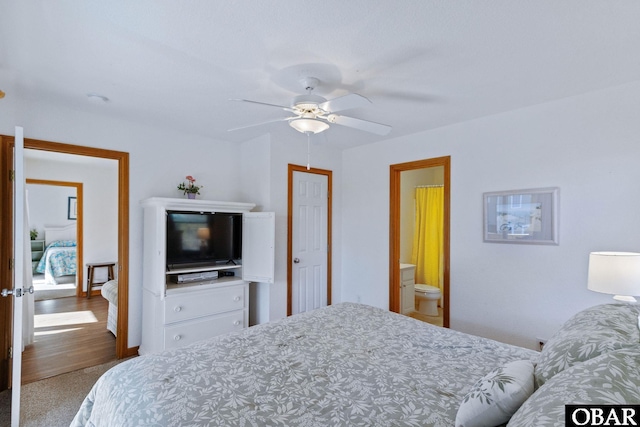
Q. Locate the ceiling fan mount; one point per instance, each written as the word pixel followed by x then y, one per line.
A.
pixel 309 83
pixel 313 113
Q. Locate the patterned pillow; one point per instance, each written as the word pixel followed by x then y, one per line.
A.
pixel 496 396
pixel 612 378
pixel 588 334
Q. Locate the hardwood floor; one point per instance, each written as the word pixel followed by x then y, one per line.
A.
pixel 70 334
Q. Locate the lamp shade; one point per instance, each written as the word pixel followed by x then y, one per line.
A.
pixel 616 273
pixel 305 125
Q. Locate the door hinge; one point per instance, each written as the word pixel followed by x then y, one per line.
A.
pixel 10 352
pixel 12 262
pixel 12 175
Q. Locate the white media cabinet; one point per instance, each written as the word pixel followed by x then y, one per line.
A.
pixel 174 315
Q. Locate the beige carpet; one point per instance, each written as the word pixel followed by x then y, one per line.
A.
pixel 54 401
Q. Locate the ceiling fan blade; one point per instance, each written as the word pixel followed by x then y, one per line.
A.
pixel 365 125
pixel 352 100
pixel 264 103
pixel 262 123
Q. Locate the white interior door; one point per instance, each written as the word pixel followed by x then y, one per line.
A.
pixel 17 286
pixel 309 241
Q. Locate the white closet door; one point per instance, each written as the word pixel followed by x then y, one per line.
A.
pixel 309 241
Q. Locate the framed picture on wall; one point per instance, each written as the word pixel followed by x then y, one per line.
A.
pixel 521 216
pixel 72 208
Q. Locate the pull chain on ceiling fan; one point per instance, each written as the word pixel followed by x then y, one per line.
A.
pixel 308 150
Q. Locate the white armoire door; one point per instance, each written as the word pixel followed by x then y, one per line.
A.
pixel 258 246
pixel 309 244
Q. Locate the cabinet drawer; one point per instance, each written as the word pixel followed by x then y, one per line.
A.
pixel 198 304
pixel 186 333
pixel 407 274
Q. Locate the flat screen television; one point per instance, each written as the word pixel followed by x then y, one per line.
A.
pixel 201 239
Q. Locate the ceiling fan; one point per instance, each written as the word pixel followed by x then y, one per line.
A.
pixel 313 113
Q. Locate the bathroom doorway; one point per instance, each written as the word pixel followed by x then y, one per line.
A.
pixel 404 178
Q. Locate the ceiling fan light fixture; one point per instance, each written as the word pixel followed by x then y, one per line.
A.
pixel 305 104
pixel 305 125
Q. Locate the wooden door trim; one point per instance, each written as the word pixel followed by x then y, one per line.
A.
pixel 122 336
pixel 297 168
pixel 6 249
pixel 394 229
pixel 79 225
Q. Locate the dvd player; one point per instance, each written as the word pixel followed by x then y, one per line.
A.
pixel 195 277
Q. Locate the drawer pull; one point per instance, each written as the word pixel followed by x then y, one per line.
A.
pixel 237 322
pixel 177 338
pixel 177 309
pixel 236 298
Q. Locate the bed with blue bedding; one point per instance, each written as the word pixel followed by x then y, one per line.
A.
pixel 59 259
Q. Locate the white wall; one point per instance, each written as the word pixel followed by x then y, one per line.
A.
pixel 264 182
pixel 587 145
pixel 48 206
pixel 256 188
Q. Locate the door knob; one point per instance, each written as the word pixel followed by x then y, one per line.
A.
pixel 296 260
pixel 16 292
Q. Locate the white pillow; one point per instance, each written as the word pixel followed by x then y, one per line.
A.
pixel 497 396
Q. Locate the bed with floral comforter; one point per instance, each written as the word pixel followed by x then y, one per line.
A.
pixel 59 259
pixel 355 365
pixel 347 364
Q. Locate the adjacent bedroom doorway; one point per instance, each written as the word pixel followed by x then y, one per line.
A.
pixel 122 158
pixel 42 197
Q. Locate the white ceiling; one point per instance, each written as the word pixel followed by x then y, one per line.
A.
pixel 423 63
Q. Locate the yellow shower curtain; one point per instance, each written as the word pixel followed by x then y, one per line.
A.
pixel 428 236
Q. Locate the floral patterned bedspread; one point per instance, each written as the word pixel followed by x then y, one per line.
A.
pixel 346 364
pixel 59 259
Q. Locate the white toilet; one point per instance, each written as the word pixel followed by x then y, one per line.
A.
pixel 428 297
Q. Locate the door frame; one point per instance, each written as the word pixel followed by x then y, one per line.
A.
pixel 394 229
pixel 122 328
pixel 79 224
pixel 122 336
pixel 297 168
pixel 6 249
